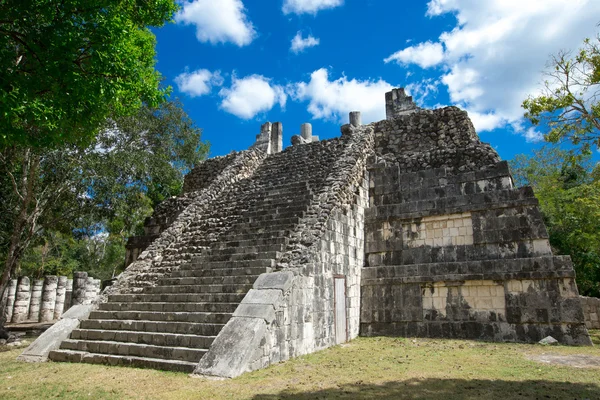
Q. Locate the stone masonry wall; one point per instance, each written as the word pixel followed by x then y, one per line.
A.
pixel 305 320
pixel 452 249
pixel 591 311
pixel 291 312
pixel 442 138
pixel 328 243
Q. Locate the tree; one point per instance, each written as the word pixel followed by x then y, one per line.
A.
pixel 65 66
pixel 568 105
pixel 108 187
pixel 568 190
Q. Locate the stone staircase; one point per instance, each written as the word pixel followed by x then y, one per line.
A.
pixel 176 310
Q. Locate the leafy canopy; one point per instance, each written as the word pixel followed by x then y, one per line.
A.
pixel 65 66
pixel 568 105
pixel 103 191
pixel 568 190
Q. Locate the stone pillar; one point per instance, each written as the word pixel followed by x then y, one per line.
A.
pixel 36 300
pixel 10 299
pixel 397 103
pixel 355 118
pixel 90 290
pixel 276 138
pixel 306 132
pixel 68 294
pixel 263 140
pixel 22 297
pixel 79 283
pixel 61 291
pixel 48 298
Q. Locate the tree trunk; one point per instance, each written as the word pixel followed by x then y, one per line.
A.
pixel 24 223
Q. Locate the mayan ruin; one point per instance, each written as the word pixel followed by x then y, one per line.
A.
pixel 407 227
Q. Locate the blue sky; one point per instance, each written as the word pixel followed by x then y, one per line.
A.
pixel 236 64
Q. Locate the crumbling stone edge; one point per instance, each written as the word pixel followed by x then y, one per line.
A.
pixel 242 167
pixel 240 344
pixel 52 338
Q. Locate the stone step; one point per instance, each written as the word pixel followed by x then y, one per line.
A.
pixel 170 307
pixel 264 263
pixel 129 361
pixel 250 243
pixel 198 289
pixel 209 280
pixel 178 297
pixel 268 255
pixel 243 249
pixel 272 221
pixel 145 338
pixel 260 233
pixel 150 338
pixel 200 272
pixel 134 349
pixel 186 328
pixel 199 317
pixel 296 200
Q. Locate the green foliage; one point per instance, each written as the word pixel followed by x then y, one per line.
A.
pixel 101 256
pixel 108 188
pixel 568 105
pixel 568 190
pixel 65 66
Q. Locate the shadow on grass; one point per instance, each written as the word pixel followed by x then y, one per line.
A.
pixel 447 389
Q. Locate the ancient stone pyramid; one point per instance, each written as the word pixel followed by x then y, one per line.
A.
pixel 409 226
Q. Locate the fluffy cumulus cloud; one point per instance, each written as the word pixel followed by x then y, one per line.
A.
pixel 333 100
pixel 309 6
pixel 198 83
pixel 493 58
pixel 251 95
pixel 299 44
pixel 425 55
pixel 219 21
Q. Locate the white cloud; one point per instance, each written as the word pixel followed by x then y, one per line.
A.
pixel 251 95
pixel 533 136
pixel 218 21
pixel 198 83
pixel 299 44
pixel 494 56
pixel 425 55
pixel 333 100
pixel 309 6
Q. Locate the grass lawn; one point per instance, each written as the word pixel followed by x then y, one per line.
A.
pixel 366 368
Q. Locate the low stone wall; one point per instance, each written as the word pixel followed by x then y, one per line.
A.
pixel 591 311
pixel 47 299
pixel 206 172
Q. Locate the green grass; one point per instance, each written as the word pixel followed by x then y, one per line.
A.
pixel 366 368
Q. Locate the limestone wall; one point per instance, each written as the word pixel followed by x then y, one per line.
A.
pixel 292 312
pixel 442 138
pixel 329 244
pixel 45 300
pixel 452 249
pixel 591 311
